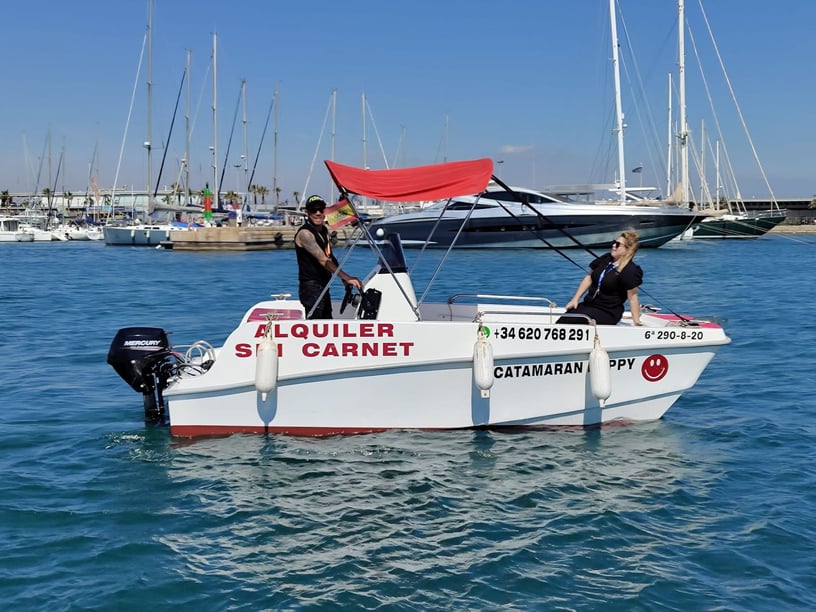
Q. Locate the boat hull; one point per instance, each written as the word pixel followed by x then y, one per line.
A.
pixel 595 227
pixel 137 235
pixel 355 376
pixel 16 237
pixel 738 226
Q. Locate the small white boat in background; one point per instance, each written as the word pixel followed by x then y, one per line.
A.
pixel 390 361
pixel 69 231
pixel 40 235
pixel 143 234
pixel 12 231
pixel 94 232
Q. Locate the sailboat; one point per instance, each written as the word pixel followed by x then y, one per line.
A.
pixel 512 216
pixel 142 233
pixel 734 221
pixel 741 225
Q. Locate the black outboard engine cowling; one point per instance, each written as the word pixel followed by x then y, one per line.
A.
pixel 144 359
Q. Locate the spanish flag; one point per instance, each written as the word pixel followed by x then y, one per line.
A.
pixel 340 214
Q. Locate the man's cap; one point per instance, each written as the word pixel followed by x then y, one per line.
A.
pixel 314 203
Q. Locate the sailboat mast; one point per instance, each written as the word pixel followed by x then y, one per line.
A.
pixel 717 177
pixel 669 140
pixel 704 189
pixel 50 173
pixel 214 124
pixel 365 154
pixel 681 41
pixel 187 133
pixel 333 134
pixel 245 157
pixel 275 152
pixel 618 105
pixel 149 142
pixel 364 201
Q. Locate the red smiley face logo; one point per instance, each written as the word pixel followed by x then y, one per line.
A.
pixel 654 368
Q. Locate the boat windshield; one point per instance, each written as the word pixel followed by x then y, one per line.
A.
pixel 520 196
pixel 392 253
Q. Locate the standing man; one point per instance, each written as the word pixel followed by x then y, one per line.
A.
pixel 316 262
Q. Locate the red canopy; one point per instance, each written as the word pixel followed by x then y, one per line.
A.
pixel 435 182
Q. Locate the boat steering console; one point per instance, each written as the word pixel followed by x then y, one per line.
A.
pixel 366 304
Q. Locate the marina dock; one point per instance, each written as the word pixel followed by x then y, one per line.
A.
pixel 246 238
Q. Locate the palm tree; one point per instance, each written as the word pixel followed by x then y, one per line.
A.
pixel 5 198
pixel 263 191
pixel 277 195
pixel 297 199
pixel 253 189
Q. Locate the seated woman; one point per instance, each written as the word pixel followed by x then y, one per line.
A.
pixel 613 279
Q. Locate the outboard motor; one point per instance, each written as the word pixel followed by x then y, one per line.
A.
pixel 144 359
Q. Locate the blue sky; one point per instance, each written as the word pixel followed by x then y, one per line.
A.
pixel 525 82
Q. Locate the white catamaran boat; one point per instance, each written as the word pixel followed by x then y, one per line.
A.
pixel 470 361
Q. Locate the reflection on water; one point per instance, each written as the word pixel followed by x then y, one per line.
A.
pixel 302 512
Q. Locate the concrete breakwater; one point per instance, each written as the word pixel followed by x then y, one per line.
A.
pixel 804 228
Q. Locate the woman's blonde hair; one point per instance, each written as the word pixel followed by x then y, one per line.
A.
pixel 631 239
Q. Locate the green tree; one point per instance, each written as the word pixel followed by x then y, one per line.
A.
pixel 263 191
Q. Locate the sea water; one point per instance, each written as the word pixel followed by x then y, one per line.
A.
pixel 711 508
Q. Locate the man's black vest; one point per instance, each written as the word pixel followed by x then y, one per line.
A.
pixel 309 269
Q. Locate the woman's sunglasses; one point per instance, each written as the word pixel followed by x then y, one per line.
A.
pixel 618 244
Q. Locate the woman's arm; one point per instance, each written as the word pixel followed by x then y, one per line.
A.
pixel 634 304
pixel 582 289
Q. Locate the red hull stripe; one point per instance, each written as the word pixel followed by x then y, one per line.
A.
pixel 212 431
pixel 196 431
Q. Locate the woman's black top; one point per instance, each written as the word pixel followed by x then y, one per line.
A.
pixel 610 286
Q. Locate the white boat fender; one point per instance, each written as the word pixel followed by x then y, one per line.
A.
pixel 600 372
pixel 266 367
pixel 483 363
